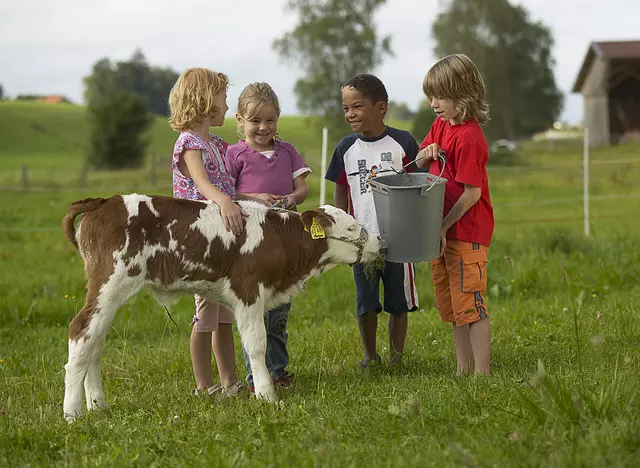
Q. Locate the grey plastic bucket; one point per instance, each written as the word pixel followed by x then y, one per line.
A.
pixel 409 209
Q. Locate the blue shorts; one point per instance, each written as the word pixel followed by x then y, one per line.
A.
pixel 400 294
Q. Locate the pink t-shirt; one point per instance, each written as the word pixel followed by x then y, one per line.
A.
pixel 213 158
pixel 256 173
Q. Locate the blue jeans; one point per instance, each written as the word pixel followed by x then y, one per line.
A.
pixel 277 358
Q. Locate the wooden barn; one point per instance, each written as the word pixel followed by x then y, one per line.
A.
pixel 609 81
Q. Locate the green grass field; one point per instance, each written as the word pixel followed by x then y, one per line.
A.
pixel 564 308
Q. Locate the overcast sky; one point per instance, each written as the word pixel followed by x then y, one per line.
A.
pixel 48 46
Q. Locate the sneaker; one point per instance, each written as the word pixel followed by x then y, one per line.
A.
pixel 285 381
pixel 214 389
pixel 369 363
pixel 249 381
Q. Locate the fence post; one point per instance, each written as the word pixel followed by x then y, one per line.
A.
pixel 323 165
pixel 585 182
pixel 153 169
pixel 25 177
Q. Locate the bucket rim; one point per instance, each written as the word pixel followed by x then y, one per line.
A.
pixel 435 180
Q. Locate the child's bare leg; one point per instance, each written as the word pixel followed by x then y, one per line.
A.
pixel 397 334
pixel 464 350
pixel 223 348
pixel 200 344
pixel 368 324
pixel 480 338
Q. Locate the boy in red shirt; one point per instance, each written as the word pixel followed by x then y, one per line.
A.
pixel 456 90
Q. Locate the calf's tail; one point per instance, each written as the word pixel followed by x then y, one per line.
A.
pixel 75 209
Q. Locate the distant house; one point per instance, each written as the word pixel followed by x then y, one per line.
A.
pixel 53 99
pixel 609 81
pixel 48 98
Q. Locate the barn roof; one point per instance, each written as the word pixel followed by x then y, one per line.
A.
pixel 607 50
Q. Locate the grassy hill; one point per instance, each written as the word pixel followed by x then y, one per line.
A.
pixel 52 140
pixel 50 136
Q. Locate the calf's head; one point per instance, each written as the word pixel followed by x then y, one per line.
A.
pixel 348 241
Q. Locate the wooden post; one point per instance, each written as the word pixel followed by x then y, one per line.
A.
pixel 25 177
pixel 153 169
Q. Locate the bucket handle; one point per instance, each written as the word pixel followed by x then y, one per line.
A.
pixel 442 157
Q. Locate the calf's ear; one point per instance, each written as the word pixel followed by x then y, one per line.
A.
pixel 320 216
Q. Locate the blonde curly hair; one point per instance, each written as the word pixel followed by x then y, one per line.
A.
pixel 193 96
pixel 456 77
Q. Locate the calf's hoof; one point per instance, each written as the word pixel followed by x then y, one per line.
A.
pixel 96 404
pixel 70 418
pixel 267 394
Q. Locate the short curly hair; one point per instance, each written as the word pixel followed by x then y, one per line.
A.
pixel 193 97
pixel 370 86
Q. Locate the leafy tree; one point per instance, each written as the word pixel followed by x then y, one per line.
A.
pixel 120 97
pixel 134 76
pixel 1 92
pixel 513 53
pixel 422 121
pixel 100 82
pixel 399 111
pixel 117 123
pixel 333 41
pixel 162 80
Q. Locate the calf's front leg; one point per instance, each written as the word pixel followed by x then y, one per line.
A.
pixel 250 320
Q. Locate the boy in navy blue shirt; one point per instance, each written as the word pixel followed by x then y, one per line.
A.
pixel 373 143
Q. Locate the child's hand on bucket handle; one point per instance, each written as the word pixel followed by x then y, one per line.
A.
pixel 427 154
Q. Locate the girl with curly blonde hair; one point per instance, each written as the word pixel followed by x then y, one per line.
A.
pixel 198 101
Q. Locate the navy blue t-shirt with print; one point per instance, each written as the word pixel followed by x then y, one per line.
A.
pixel 353 159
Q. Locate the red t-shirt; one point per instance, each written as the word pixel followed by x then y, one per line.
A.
pixel 467 154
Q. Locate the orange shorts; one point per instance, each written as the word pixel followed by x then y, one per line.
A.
pixel 460 280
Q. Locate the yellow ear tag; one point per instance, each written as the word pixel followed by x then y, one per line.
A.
pixel 317 231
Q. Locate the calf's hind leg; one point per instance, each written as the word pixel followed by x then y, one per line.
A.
pixel 87 333
pixel 93 391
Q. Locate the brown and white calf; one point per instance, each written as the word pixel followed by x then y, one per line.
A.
pixel 179 246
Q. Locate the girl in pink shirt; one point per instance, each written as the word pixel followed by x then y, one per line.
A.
pixel 269 169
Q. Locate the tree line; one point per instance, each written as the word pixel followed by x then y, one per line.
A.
pixel 334 40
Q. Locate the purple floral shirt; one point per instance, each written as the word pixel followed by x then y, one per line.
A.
pixel 213 155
